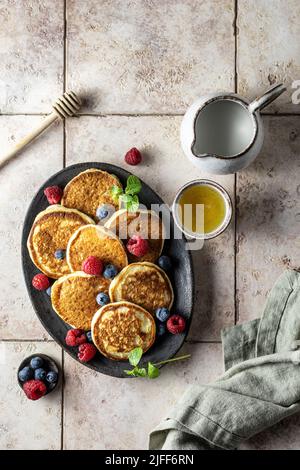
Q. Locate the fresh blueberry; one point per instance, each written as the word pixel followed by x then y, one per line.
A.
pixel 52 377
pixel 102 299
pixel 40 374
pixel 48 291
pixel 36 362
pixel 102 212
pixel 110 271
pixel 162 314
pixel 161 329
pixel 25 374
pixel 89 336
pixel 60 254
pixel 164 262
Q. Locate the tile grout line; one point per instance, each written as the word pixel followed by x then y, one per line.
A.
pixel 62 408
pixel 26 340
pixel 236 313
pixel 39 340
pixel 108 114
pixel 235 175
pixel 235 45
pixel 64 165
pixel 265 113
pixel 137 114
pixel 195 341
pixel 64 77
pixel 153 114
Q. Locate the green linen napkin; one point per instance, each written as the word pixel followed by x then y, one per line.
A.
pixel 260 387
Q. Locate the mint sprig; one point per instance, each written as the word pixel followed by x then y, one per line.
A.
pixel 135 356
pixel 116 191
pixel 133 186
pixel 133 204
pixel 129 199
pixel 152 371
pixel 137 372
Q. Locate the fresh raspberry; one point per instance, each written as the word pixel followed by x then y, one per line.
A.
pixel 75 337
pixel 34 389
pixel 133 156
pixel 176 324
pixel 86 352
pixel 40 282
pixel 53 194
pixel 137 246
pixel 93 266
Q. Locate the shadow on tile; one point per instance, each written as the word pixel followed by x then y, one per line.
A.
pixel 268 215
pixel 214 288
pixel 282 436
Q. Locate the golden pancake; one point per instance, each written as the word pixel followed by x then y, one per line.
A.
pixel 120 327
pixel 51 231
pixel 145 223
pixel 88 190
pixel 94 240
pixel 144 284
pixel 74 298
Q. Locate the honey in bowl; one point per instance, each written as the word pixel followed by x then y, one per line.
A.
pixel 201 200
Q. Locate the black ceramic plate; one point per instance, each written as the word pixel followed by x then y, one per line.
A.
pixel 181 277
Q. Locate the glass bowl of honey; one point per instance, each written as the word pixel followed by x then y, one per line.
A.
pixel 202 209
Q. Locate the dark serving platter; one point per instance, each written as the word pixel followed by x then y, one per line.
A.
pixel 181 276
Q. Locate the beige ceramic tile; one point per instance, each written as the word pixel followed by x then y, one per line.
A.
pixel 214 284
pixel 269 49
pixel 165 169
pixel 31 44
pixel 19 181
pixel 269 215
pixel 26 424
pixel 119 413
pixel 283 436
pixel 150 56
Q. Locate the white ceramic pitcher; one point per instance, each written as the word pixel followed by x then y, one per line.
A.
pixel 222 133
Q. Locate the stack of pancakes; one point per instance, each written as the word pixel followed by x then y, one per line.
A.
pixel 135 293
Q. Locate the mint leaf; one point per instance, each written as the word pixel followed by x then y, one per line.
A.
pixel 153 372
pixel 129 199
pixel 137 372
pixel 115 192
pixel 134 185
pixel 140 372
pixel 130 372
pixel 135 356
pixel 125 199
pixel 133 204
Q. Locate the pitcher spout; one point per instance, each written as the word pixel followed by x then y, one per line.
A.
pixel 195 152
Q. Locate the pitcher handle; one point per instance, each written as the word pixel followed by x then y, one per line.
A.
pixel 266 98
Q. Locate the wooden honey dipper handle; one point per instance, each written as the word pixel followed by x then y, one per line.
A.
pixel 66 106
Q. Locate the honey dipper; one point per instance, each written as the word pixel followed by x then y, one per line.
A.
pixel 64 107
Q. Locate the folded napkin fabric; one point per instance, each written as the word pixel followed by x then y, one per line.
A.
pixel 260 387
